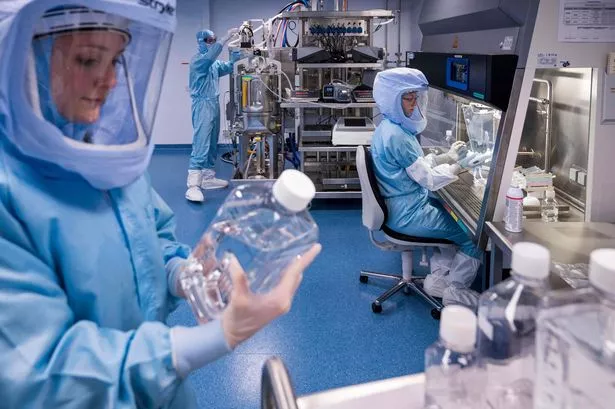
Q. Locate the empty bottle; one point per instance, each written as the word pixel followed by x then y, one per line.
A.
pixel 575 343
pixel 265 226
pixel 513 220
pixel 453 379
pixel 548 209
pixel 507 323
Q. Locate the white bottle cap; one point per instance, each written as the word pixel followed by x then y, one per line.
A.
pixel 458 328
pixel 294 190
pixel 550 194
pixel 530 260
pixel 602 270
pixel 514 192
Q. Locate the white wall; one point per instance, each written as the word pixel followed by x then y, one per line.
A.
pixel 173 121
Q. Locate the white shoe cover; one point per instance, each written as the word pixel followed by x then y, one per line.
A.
pixel 441 260
pixel 194 194
pixel 211 182
pixel 435 284
pixel 463 270
pixel 457 295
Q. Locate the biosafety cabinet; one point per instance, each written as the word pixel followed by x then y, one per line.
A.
pixel 529 106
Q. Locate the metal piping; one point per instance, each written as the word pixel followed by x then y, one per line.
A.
pixel 549 113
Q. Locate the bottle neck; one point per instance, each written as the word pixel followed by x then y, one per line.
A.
pixel 456 348
pixel 529 281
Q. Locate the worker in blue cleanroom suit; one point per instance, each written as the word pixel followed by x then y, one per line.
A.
pixel 405 178
pixel 205 72
pixel 89 263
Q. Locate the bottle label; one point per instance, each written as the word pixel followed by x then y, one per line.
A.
pixel 568 377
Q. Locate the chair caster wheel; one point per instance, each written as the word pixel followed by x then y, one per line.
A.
pixel 376 308
pixel 363 279
pixel 435 314
pixel 407 291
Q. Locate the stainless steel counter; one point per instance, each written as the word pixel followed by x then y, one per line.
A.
pixel 569 243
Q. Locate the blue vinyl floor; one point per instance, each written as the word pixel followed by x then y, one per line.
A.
pixel 330 338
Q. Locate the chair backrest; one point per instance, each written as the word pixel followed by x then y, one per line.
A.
pixel 374 210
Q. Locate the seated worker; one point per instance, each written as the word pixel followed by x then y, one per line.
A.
pixel 405 178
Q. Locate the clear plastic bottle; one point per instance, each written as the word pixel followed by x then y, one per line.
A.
pixel 513 220
pixel 575 342
pixel 507 323
pixel 453 379
pixel 264 225
pixel 548 208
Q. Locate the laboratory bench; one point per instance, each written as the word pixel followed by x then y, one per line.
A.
pixel 568 242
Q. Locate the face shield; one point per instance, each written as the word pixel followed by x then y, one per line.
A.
pixel 97 77
pixel 414 107
pixel 401 96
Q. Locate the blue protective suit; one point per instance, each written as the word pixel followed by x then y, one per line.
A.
pixel 205 72
pixel 395 148
pixel 84 272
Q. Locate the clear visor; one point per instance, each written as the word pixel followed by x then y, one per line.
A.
pixel 97 76
pixel 414 105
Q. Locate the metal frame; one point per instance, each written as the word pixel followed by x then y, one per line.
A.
pixel 277 391
pixel 304 14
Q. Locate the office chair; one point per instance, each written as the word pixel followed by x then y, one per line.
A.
pixel 374 213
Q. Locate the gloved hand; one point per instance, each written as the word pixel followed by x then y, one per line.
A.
pixel 229 34
pixel 457 150
pixel 235 56
pixel 248 312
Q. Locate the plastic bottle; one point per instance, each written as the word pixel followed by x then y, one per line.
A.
pixel 548 209
pixel 514 210
pixel 507 322
pixel 265 225
pixel 575 342
pixel 453 379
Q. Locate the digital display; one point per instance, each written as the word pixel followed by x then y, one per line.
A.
pixel 458 72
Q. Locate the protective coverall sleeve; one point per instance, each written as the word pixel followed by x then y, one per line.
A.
pixel 436 160
pixel 432 178
pixel 174 253
pixel 194 347
pixel 402 150
pixel 224 67
pixel 49 355
pixel 202 62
